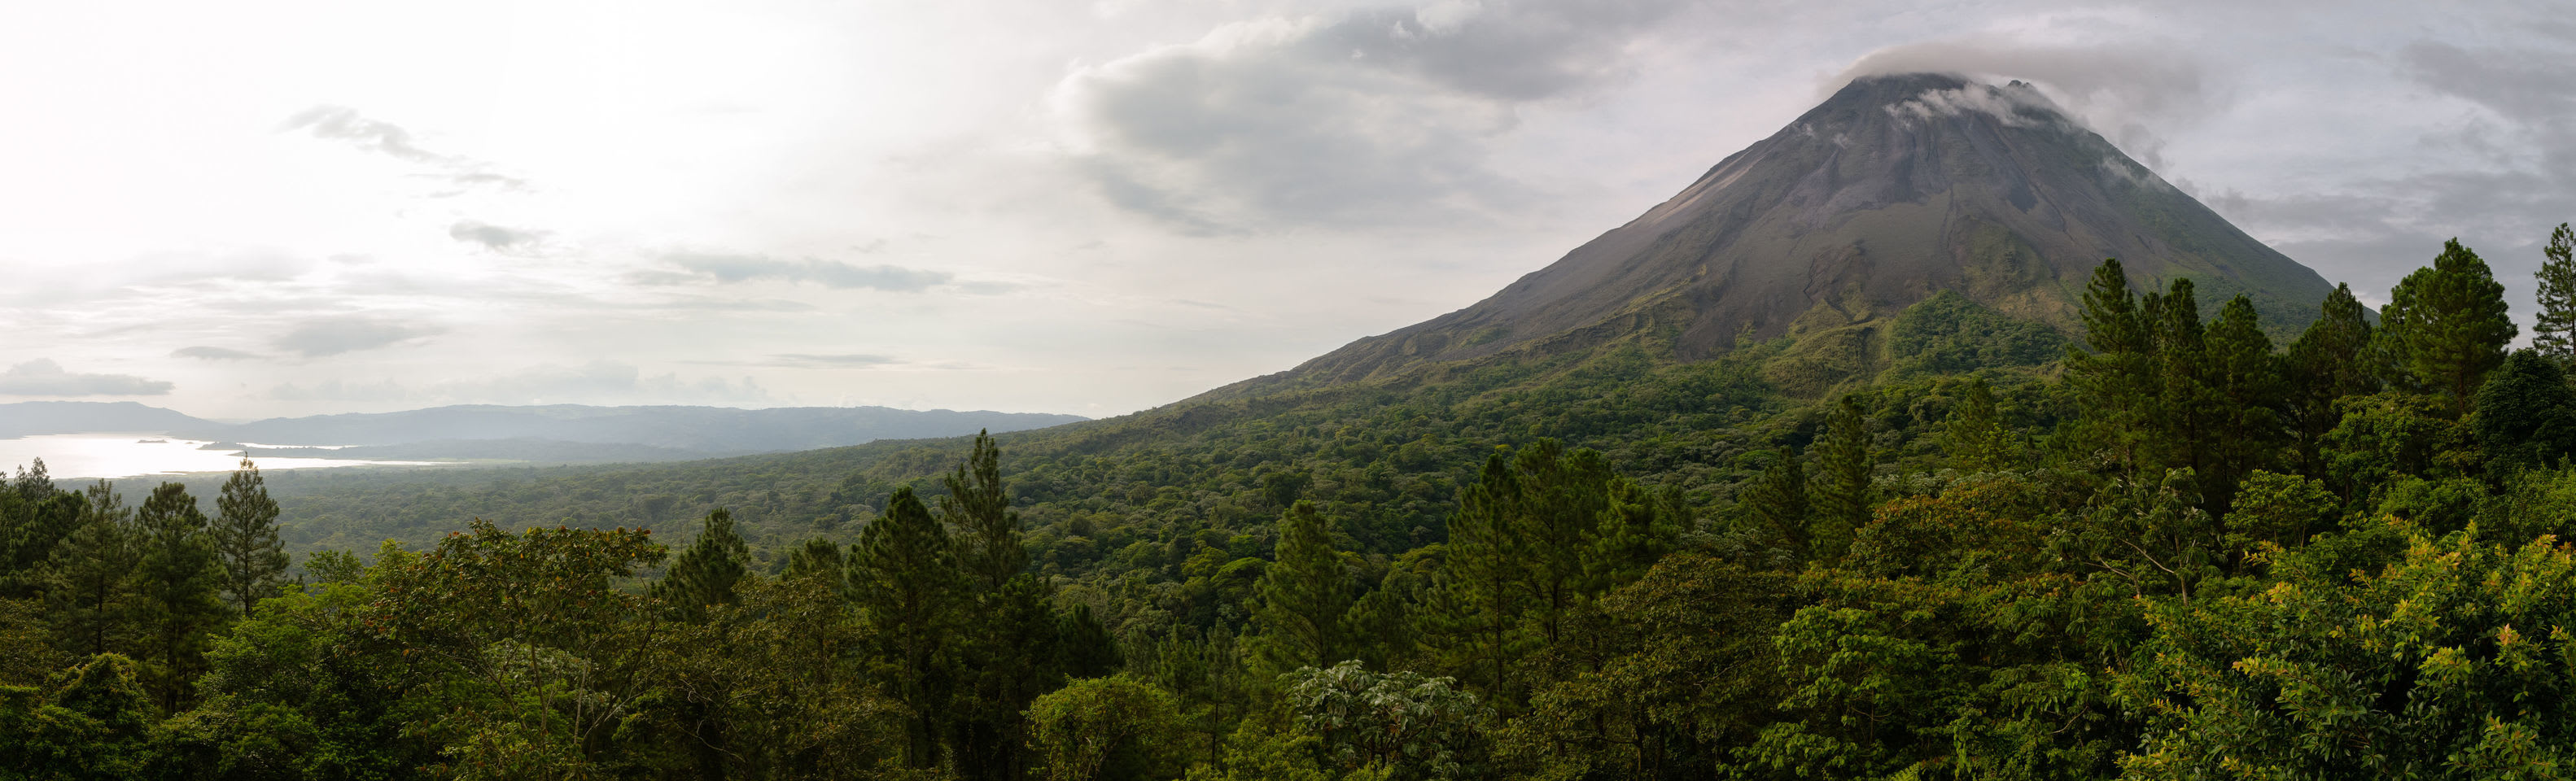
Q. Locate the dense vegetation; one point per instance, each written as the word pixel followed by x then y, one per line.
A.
pixel 2177 550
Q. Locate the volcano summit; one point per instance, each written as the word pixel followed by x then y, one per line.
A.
pixel 1894 189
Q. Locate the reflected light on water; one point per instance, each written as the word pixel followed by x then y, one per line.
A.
pixel 131 455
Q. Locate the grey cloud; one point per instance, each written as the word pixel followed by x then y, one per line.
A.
pixel 2522 124
pixel 1369 116
pixel 830 273
pixel 341 123
pixel 43 377
pixel 344 124
pixel 202 352
pixel 849 361
pixel 333 336
pixel 496 238
pixel 2119 90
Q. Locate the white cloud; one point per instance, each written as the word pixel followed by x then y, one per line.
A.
pixel 43 377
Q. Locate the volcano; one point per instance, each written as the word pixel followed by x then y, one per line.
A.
pixel 1893 190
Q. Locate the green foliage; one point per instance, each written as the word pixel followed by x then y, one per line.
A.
pixel 904 576
pixel 91 593
pixel 1105 728
pixel 705 572
pixel 2526 413
pixel 2448 663
pixel 1302 597
pixel 1841 491
pixel 2448 325
pixel 2553 328
pixel 1949 334
pixel 244 536
pixel 178 587
pixel 1397 725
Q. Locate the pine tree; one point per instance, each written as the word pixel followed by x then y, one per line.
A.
pixel 1776 503
pixel 817 557
pixel 2553 329
pixel 1841 488
pixel 2117 383
pixel 2242 382
pixel 988 530
pixel 903 572
pixel 2333 359
pixel 2448 324
pixel 1470 624
pixel 92 595
pixel 704 575
pixel 1973 434
pixel 34 520
pixel 1303 596
pixel 180 582
pixel 245 538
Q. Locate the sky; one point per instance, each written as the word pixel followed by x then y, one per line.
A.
pixel 276 208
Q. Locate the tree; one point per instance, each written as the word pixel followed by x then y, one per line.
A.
pixel 1775 502
pixel 91 590
pixel 988 530
pixel 2448 324
pixel 2116 382
pixel 245 538
pixel 1106 728
pixel 1303 596
pixel 1973 434
pixel 706 572
pixel 2526 413
pixel 2553 328
pixel 180 581
pixel 2331 360
pixel 904 573
pixel 1399 724
pixel 2244 389
pixel 34 518
pixel 1841 487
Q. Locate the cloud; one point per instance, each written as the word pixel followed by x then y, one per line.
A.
pixel 849 361
pixel 344 124
pixel 2120 90
pixel 597 382
pixel 43 377
pixel 2502 131
pixel 830 273
pixel 1366 116
pixel 202 352
pixel 508 241
pixel 333 336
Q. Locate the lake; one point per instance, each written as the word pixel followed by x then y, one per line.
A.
pixel 113 456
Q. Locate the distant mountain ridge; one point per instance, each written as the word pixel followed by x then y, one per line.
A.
pixel 559 433
pixel 36 418
pixel 712 430
pixel 1894 189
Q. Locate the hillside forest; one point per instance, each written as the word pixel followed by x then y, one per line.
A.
pixel 2178 545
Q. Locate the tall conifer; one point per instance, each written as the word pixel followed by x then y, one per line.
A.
pixel 2448 324
pixel 180 582
pixel 1841 486
pixel 704 575
pixel 244 536
pixel 1303 596
pixel 91 594
pixel 2553 328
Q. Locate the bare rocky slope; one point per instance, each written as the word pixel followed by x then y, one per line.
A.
pixel 1894 189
